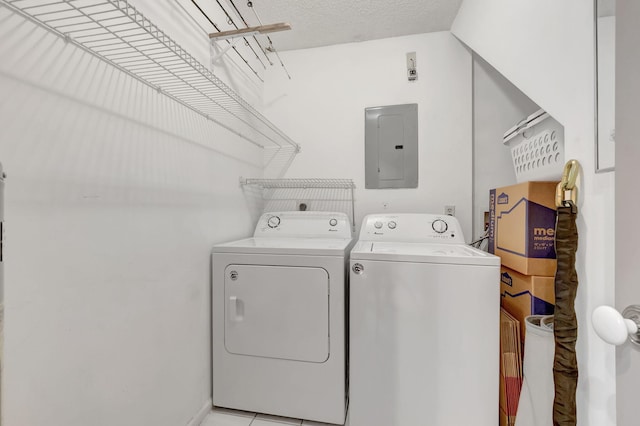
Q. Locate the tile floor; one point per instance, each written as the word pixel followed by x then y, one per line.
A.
pixel 226 417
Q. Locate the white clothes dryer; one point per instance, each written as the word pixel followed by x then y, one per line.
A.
pixel 424 325
pixel 279 317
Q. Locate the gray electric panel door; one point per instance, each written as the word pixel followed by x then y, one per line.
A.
pixel 391 146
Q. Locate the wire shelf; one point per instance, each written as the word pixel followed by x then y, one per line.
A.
pixel 117 33
pixel 333 195
pixel 300 183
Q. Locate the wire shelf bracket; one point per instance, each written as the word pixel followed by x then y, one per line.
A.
pixel 120 35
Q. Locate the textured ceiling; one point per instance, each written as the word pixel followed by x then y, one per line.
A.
pixel 326 22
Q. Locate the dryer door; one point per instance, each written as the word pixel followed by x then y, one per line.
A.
pixel 277 312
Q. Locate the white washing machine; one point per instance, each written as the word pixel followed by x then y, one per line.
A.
pixel 279 317
pixel 424 325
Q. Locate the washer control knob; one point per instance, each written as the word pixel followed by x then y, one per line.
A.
pixel 440 226
pixel 357 268
pixel 333 222
pixel 378 225
pixel 391 225
pixel 273 221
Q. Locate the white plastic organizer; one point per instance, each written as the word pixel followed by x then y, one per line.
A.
pixel 537 147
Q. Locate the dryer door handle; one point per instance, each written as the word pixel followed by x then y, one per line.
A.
pixel 236 309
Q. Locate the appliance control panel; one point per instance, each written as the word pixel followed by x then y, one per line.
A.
pixel 308 224
pixel 412 227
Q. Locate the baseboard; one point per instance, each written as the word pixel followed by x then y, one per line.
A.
pixel 201 414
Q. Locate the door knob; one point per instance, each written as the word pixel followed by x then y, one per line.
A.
pixel 613 327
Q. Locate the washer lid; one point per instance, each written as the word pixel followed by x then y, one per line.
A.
pixel 287 246
pixel 458 254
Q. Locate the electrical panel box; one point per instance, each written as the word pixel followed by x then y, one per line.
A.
pixel 391 146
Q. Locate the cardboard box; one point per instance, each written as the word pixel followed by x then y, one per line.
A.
pixel 522 221
pixel 524 295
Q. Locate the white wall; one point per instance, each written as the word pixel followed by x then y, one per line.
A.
pixel 606 91
pixel 546 49
pixel 627 103
pixel 497 106
pixel 322 106
pixel 115 195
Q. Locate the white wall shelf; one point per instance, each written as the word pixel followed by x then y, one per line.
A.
pixel 117 33
pixel 316 194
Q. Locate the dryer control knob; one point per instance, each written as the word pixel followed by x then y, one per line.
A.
pixel 333 222
pixel 273 222
pixel 440 226
pixel 378 225
pixel 391 225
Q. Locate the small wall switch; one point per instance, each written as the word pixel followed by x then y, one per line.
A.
pixel 450 210
pixel 412 66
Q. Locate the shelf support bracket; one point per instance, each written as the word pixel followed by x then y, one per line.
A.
pixel 222 52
